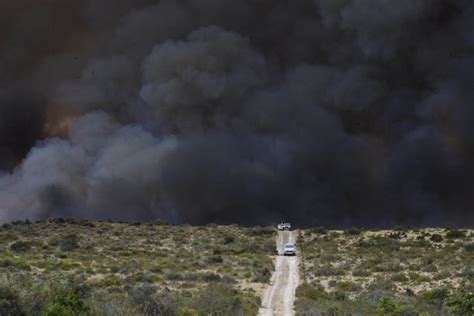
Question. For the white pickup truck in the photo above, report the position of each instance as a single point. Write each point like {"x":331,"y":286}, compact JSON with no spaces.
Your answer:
{"x":289,"y":250}
{"x":284,"y":226}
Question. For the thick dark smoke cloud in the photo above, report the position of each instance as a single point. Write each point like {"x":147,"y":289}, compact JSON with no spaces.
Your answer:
{"x":340,"y":112}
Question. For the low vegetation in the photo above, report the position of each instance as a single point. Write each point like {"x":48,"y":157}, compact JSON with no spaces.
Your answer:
{"x":76,"y":267}
{"x":401,"y":272}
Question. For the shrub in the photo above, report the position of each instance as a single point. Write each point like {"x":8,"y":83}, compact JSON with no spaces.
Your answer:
{"x":469,"y":246}
{"x":397,"y":235}
{"x":430,"y":268}
{"x":328,"y":270}
{"x":228,"y":279}
{"x":436,"y":295}
{"x":442,"y":275}
{"x":414,"y":267}
{"x":311,"y":292}
{"x":211,"y":277}
{"x":436,"y":238}
{"x":67,"y":243}
{"x":215,"y":259}
{"x":348,"y":286}
{"x":382,"y":243}
{"x":461,"y":303}
{"x":353,"y":231}
{"x":415,"y":276}
{"x":20,"y":264}
{"x":58,"y":220}
{"x":5,"y":263}
{"x":381,"y":284}
{"x":163,"y":305}
{"x":340,"y":296}
{"x":399,"y":277}
{"x":454,"y":234}
{"x":9,"y":302}
{"x":361,"y":272}
{"x":141,"y":295}
{"x":66,"y":305}
{"x":260,"y":231}
{"x":424,"y":278}
{"x":8,"y":236}
{"x":228,"y":239}
{"x":20,"y":246}
{"x":217,"y":299}
{"x":174,"y":276}
{"x":387,"y":305}
{"x":187,"y":311}
{"x":388,"y":267}
{"x":262,"y":275}
{"x":103,"y":302}
{"x":129,"y":267}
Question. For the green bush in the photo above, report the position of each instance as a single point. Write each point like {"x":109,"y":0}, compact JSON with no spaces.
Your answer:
{"x":387,"y":305}
{"x":66,"y":305}
{"x":435,"y":295}
{"x":461,"y":303}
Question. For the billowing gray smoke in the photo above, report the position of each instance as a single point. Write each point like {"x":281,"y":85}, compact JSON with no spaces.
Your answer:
{"x":340,"y":112}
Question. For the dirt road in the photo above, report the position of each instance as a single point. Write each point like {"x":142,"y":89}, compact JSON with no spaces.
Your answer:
{"x":279,"y":296}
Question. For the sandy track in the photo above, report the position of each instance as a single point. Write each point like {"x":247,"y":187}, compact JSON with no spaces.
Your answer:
{"x":279,"y":296}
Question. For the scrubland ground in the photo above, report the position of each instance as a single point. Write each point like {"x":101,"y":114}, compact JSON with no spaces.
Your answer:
{"x":73,"y":267}
{"x":392,"y":272}
{"x":77,"y":267}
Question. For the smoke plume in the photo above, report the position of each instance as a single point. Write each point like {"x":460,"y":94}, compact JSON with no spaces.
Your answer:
{"x":347,"y":112}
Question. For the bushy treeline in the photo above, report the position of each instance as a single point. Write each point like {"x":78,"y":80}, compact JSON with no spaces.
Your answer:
{"x":22,"y":296}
